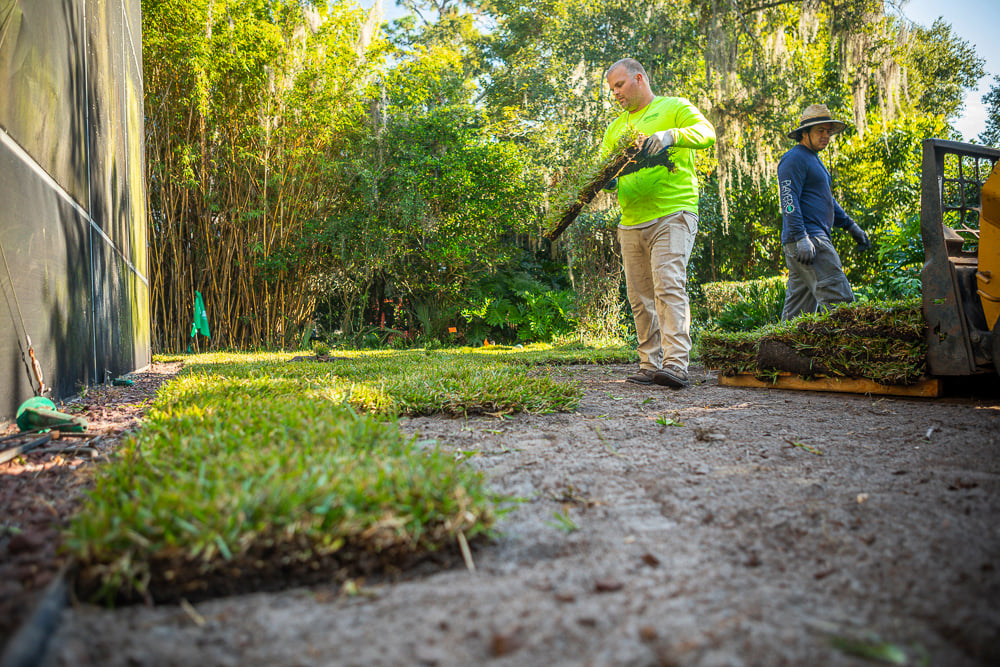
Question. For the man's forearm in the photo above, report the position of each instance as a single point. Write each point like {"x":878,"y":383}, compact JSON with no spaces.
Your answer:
{"x":693,"y":129}
{"x":840,"y":217}
{"x":791,"y":212}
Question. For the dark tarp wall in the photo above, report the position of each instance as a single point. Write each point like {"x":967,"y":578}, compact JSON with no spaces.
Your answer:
{"x":74,"y":272}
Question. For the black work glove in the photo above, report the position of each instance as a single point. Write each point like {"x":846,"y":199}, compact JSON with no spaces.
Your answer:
{"x":859,"y":236}
{"x":805,"y":251}
{"x":644,"y":158}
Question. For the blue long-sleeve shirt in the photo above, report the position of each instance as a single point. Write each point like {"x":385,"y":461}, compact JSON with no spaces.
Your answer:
{"x":807,"y":203}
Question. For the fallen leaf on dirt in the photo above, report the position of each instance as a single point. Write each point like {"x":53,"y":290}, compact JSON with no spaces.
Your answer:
{"x":505,"y":643}
{"x":650,"y":560}
{"x":608,"y":585}
{"x":703,"y":434}
{"x":326,"y":596}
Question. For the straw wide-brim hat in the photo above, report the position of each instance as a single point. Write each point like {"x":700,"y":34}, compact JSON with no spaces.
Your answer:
{"x":817,"y":114}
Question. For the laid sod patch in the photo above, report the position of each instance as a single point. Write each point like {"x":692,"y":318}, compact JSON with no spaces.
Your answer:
{"x":882,"y":342}
{"x":540,"y":354}
{"x":254,"y":473}
{"x":388,"y":383}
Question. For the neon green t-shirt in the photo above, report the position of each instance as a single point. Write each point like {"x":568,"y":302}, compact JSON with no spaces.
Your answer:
{"x":656,"y":191}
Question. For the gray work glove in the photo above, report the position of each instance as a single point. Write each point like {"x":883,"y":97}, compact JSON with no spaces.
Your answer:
{"x":859,"y":236}
{"x":805,"y":251}
{"x":658,"y":142}
{"x":611,"y":185}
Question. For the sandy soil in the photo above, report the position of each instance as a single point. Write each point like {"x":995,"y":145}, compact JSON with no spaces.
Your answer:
{"x":711,"y":526}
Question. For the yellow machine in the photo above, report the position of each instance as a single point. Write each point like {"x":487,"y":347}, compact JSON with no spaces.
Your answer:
{"x":960,"y":280}
{"x":988,"y":273}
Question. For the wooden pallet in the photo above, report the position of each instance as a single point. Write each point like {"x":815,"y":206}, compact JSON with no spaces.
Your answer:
{"x":928,"y":388}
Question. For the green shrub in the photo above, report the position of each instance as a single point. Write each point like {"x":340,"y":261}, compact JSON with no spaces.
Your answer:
{"x":901,"y":255}
{"x":594,"y":262}
{"x":741,"y":306}
{"x":526,"y":315}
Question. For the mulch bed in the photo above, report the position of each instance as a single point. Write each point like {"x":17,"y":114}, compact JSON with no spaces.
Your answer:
{"x":42,"y":489}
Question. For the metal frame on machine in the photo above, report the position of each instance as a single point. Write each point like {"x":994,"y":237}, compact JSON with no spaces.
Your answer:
{"x":957,"y":335}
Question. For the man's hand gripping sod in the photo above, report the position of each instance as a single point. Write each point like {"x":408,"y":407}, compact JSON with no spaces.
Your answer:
{"x":658,"y":142}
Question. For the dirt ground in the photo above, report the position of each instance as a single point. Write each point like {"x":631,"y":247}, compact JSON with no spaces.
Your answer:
{"x":711,"y":526}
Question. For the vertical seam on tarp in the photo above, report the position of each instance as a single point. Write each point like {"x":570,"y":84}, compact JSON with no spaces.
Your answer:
{"x":124,"y":84}
{"x":90,"y":194}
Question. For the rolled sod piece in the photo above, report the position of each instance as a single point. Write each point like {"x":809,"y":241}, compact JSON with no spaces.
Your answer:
{"x":612,"y":166}
{"x":774,"y":355}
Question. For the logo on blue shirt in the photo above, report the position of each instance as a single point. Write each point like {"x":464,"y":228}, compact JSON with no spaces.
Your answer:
{"x":787,"y":199}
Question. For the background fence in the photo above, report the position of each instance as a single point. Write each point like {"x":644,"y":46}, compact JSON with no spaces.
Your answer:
{"x":73,"y":271}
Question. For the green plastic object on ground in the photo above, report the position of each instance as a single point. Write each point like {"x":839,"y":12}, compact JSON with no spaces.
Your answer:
{"x":40,"y":413}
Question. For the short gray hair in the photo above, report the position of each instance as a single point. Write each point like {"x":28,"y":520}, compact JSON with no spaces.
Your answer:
{"x":632,"y":66}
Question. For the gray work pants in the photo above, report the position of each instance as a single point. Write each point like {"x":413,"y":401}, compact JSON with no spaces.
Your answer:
{"x":815,"y":286}
{"x":655,"y":258}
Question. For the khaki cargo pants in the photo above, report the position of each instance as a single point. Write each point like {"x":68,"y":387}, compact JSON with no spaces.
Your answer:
{"x":655,"y":258}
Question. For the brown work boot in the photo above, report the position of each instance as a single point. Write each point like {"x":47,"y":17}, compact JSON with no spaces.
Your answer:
{"x":671,"y":376}
{"x":643,"y":376}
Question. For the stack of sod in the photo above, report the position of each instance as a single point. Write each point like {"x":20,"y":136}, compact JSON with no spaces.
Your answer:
{"x":251,"y":473}
{"x":581,"y":186}
{"x":882,"y":342}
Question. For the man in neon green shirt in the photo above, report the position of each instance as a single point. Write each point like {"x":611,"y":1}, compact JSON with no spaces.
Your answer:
{"x":659,"y":220}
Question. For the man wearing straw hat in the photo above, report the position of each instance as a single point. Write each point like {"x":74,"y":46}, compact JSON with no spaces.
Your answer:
{"x":809,"y":212}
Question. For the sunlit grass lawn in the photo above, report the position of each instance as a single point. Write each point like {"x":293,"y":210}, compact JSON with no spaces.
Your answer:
{"x":252,"y":469}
